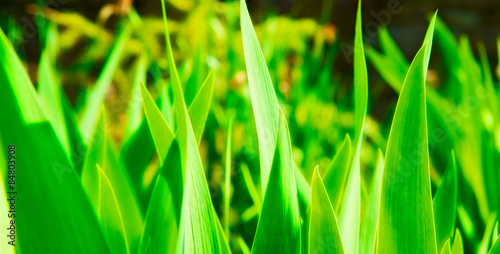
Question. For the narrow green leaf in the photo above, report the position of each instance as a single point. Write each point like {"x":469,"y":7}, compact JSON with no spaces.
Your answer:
{"x":336,"y":176}
{"x":50,"y":91}
{"x":279,"y":227}
{"x":227,"y":178}
{"x":134,"y":111}
{"x":199,"y":227}
{"x":458,"y":246}
{"x":445,"y":204}
{"x":406,"y":221}
{"x":485,"y":243}
{"x":264,"y":101}
{"x":95,"y":98}
{"x":161,"y":132}
{"x":495,"y":249}
{"x":100,"y":152}
{"x":110,"y":215}
{"x":13,"y":72}
{"x":393,"y":52}
{"x":198,"y":110}
{"x":446,"y":247}
{"x":160,"y":226}
{"x":370,"y":222}
{"x":324,"y":235}
{"x":350,"y":210}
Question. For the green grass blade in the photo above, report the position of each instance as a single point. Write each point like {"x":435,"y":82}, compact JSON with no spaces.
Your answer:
{"x":336,"y":176}
{"x":264,"y":100}
{"x":393,"y":52}
{"x":227,"y":178}
{"x":96,"y":97}
{"x":110,"y":215}
{"x":349,"y":222}
{"x":100,"y":152}
{"x":279,"y":227}
{"x":495,"y":249}
{"x":13,"y":72}
{"x":458,"y":245}
{"x":324,"y":235}
{"x":428,"y":40}
{"x":406,"y":222}
{"x":161,"y":225}
{"x":134,"y":111}
{"x":446,"y":248}
{"x":486,"y":240}
{"x":445,"y":204}
{"x":370,"y":222}
{"x":198,"y":110}
{"x":49,"y":91}
{"x":161,"y":132}
{"x":199,"y":230}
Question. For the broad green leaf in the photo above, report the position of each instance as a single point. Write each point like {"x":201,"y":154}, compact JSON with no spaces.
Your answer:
{"x":350,"y":210}
{"x":446,"y":247}
{"x":279,"y":227}
{"x":264,"y":101}
{"x":96,"y":97}
{"x":458,"y":246}
{"x":54,"y":213}
{"x":324,"y":235}
{"x":406,"y":220}
{"x":336,"y":176}
{"x":370,"y":222}
{"x":445,"y":204}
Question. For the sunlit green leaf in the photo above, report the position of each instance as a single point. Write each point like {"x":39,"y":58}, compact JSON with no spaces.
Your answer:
{"x":445,"y":204}
{"x":370,"y":222}
{"x":406,"y":222}
{"x":279,"y":227}
{"x":324,"y":235}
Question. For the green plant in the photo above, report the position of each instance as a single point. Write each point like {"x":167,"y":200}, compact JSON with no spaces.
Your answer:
{"x":435,"y":189}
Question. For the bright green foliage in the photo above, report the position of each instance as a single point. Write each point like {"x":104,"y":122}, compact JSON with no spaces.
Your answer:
{"x":157,"y":153}
{"x":350,"y":213}
{"x":279,"y":227}
{"x":445,"y":204}
{"x":264,"y":101}
{"x":406,"y":222}
{"x":71,"y":223}
{"x":324,"y":235}
{"x":336,"y":175}
{"x":370,"y":222}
